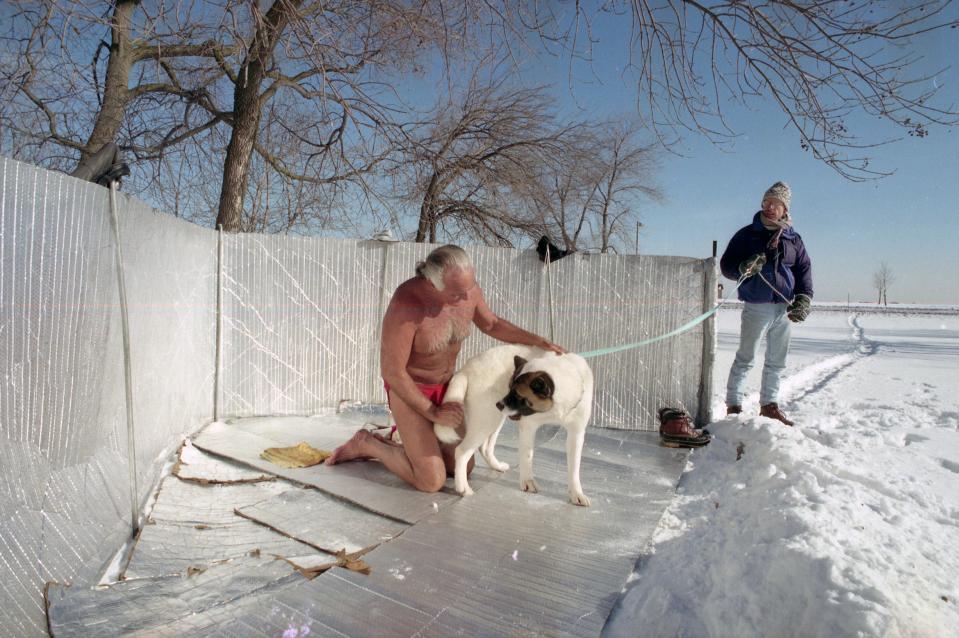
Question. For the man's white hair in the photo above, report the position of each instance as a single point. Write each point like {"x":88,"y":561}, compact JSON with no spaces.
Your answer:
{"x":441,"y":260}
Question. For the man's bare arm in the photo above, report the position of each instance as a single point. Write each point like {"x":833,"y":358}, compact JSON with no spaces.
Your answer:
{"x":495,"y":326}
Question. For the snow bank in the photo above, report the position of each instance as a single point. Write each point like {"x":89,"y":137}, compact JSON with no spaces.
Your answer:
{"x":844,"y":525}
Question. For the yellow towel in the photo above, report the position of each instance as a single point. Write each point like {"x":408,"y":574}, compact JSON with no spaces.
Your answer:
{"x":300,"y":455}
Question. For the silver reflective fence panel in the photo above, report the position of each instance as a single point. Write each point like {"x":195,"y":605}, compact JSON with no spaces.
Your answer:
{"x":301,"y":321}
{"x":300,"y":330}
{"x":65,"y":490}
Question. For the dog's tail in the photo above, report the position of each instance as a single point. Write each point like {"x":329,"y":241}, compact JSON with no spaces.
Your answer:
{"x":455,"y":393}
{"x":446,"y":434}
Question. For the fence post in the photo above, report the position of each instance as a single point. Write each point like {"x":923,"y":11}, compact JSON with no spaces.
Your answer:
{"x":549,"y":295}
{"x":384,"y":237}
{"x":218,"y":345}
{"x":380,"y":311}
{"x":127,"y":364}
{"x":705,"y":412}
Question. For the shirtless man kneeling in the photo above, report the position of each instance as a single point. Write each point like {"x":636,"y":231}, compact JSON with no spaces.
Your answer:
{"x":424,"y":328}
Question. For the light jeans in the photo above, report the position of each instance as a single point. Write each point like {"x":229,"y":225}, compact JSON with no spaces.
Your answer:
{"x":758,"y":319}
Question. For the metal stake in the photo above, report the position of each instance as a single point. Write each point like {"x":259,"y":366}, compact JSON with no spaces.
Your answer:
{"x":219,"y":323}
{"x":549,"y":294}
{"x":127,"y":363}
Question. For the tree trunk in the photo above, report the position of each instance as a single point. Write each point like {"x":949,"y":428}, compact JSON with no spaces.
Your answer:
{"x":423,"y":227}
{"x":236,"y":166}
{"x":604,"y":232}
{"x":116,"y":91}
{"x":247,"y":110}
{"x":427,"y":223}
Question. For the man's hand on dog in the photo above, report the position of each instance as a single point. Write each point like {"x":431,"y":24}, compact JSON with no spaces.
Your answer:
{"x":552,"y":347}
{"x":449,"y":414}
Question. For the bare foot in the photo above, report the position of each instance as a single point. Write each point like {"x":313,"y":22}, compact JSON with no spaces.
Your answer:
{"x":353,"y":450}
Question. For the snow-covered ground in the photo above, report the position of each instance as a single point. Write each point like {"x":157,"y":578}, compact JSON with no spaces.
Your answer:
{"x":845,"y":525}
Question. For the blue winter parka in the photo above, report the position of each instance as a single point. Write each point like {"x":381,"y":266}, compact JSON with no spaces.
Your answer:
{"x":787,"y":267}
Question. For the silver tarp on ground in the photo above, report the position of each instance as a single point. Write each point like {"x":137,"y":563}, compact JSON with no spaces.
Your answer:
{"x":306,"y":516}
{"x":499,"y":563}
{"x":198,"y":467}
{"x":195,"y":525}
{"x":378,"y":489}
{"x":300,"y":331}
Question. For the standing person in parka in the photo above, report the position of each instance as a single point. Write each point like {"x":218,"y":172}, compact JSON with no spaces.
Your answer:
{"x":777,"y":290}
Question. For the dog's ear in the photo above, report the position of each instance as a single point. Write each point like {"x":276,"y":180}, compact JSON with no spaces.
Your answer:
{"x":518,"y":362}
{"x":543,"y":386}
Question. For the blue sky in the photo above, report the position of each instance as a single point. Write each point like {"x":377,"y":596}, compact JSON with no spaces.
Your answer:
{"x":909,"y":220}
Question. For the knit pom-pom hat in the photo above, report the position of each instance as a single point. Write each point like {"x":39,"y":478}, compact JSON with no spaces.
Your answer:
{"x":780,"y":191}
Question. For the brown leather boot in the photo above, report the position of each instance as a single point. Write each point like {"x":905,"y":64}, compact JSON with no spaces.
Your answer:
{"x":772,"y":411}
{"x":677,"y":429}
{"x":733,"y":409}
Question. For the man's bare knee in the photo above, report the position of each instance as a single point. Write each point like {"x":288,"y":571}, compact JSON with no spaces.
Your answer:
{"x":429,"y":481}
{"x":429,"y":475}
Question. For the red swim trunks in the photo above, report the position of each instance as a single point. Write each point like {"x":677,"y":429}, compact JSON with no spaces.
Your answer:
{"x":432,"y":391}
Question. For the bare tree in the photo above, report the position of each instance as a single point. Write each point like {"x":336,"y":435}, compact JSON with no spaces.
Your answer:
{"x":821,"y":62}
{"x":882,"y":279}
{"x":590,"y":195}
{"x":70,"y":93}
{"x":290,"y":87}
{"x":305,"y":65}
{"x":622,"y":176}
{"x":561,"y":194}
{"x":297,"y":98}
{"x":475,"y":158}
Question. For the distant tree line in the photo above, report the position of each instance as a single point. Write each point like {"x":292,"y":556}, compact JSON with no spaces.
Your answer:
{"x":286,"y":115}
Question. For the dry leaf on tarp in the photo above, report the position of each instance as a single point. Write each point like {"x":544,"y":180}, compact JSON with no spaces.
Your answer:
{"x":352,"y":562}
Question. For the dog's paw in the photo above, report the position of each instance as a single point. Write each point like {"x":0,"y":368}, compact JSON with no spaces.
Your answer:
{"x":499,"y":466}
{"x":579,"y":499}
{"x":467,"y":491}
{"x":529,"y":485}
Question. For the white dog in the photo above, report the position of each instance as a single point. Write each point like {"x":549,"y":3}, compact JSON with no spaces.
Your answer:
{"x":532,"y":387}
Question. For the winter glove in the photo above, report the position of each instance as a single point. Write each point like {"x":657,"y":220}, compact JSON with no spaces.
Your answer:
{"x":799,"y":309}
{"x":753,"y":265}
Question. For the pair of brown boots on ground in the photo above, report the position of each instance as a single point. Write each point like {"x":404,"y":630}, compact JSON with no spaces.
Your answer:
{"x":770,"y":410}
